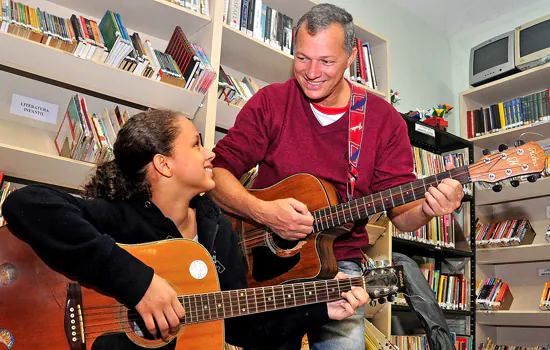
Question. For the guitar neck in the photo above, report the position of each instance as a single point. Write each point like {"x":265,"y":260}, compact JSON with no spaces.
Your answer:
{"x":362,"y":208}
{"x":206,"y":307}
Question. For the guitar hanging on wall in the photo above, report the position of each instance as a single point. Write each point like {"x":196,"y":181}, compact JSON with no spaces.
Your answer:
{"x":273,"y":260}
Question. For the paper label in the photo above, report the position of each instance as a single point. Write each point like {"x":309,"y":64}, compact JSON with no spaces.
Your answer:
{"x":544,"y":272}
{"x":34,"y":109}
{"x":424,"y":129}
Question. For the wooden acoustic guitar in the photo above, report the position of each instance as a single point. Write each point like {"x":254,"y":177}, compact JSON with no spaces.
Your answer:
{"x":273,"y":260}
{"x":43,"y":309}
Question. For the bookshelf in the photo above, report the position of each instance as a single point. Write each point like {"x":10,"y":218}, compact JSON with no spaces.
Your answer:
{"x":524,"y":324}
{"x":27,"y":149}
{"x":441,"y":142}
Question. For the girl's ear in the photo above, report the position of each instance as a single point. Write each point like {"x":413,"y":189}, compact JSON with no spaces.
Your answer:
{"x":162,"y":165}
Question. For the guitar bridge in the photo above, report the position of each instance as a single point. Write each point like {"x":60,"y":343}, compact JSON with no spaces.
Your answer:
{"x":74,"y":319}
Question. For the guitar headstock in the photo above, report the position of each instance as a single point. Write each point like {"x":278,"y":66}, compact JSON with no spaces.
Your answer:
{"x":526,"y":159}
{"x":384,"y":282}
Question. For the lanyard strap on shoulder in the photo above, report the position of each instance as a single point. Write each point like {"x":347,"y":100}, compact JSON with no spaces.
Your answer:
{"x":357,"y":114}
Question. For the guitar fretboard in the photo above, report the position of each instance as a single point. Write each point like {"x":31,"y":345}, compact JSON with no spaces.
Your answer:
{"x":361,"y":208}
{"x":219,"y":305}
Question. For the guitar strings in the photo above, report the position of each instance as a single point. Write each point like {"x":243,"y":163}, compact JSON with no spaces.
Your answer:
{"x":258,"y":235}
{"x":302,"y":292}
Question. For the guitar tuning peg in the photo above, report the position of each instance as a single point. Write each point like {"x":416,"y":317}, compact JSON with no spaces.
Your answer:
{"x":372,"y":302}
{"x":502,"y":147}
{"x":391,"y":298}
{"x":514,"y":183}
{"x":518,"y":143}
{"x":486,"y":151}
{"x":497,"y":188}
{"x":533,"y":178}
{"x":381,"y":300}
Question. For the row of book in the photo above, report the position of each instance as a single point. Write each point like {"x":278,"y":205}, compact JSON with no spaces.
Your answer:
{"x":6,"y":188}
{"x":261,"y":22}
{"x":545,"y":298}
{"x":88,"y":136}
{"x":526,"y":110}
{"x":236,"y":92}
{"x":493,"y":294}
{"x":427,"y":163}
{"x":504,"y":234}
{"x":440,"y":231}
{"x":199,"y":6}
{"x":450,"y":289}
{"x":420,"y":342}
{"x":491,"y":345}
{"x":183,"y":63}
{"x":362,"y":69}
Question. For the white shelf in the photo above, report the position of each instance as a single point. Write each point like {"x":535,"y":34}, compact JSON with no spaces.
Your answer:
{"x":158,"y":18}
{"x":511,"y":255}
{"x":517,"y":85}
{"x":42,"y":167}
{"x":514,"y":318}
{"x":526,"y":190}
{"x":268,"y":63}
{"x":226,"y":114}
{"x":491,"y":141}
{"x":376,"y":92}
{"x":55,"y":64}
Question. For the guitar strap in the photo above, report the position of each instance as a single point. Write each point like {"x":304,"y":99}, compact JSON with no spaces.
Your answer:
{"x":357,"y":115}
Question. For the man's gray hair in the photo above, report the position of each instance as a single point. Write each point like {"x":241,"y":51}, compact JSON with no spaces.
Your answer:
{"x":321,"y":16}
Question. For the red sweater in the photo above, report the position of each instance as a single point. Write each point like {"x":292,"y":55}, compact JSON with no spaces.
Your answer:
{"x":278,"y":130}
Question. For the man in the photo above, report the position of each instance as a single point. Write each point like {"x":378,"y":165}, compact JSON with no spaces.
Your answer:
{"x":302,"y":125}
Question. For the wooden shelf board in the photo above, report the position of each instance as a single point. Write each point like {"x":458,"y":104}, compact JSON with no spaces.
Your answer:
{"x":518,"y":318}
{"x":510,"y":255}
{"x":267,"y":63}
{"x":42,"y":167}
{"x":51,"y":63}
{"x":491,"y":141}
{"x":525,"y":190}
{"x":226,"y":114}
{"x":517,"y":85}
{"x":376,"y":92}
{"x":158,"y":18}
{"x":296,"y":8}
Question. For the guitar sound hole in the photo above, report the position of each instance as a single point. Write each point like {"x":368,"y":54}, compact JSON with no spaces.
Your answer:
{"x":268,"y":265}
{"x":283,"y":243}
{"x":138,"y":326}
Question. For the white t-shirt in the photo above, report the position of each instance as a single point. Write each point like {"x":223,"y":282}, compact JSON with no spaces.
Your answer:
{"x":325,"y":115}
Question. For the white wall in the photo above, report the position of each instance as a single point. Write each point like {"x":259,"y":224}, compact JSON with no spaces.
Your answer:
{"x":419,"y":54}
{"x":464,"y":41}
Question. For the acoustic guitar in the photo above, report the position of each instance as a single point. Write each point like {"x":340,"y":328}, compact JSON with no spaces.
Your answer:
{"x":43,"y":309}
{"x":273,"y":260}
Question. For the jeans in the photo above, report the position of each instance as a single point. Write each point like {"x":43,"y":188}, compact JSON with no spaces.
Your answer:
{"x":348,"y":334}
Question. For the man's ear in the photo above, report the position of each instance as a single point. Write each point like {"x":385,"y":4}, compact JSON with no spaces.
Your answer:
{"x":351,"y":57}
{"x":162,"y":165}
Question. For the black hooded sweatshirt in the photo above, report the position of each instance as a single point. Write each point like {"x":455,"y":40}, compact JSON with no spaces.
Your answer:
{"x":78,"y":237}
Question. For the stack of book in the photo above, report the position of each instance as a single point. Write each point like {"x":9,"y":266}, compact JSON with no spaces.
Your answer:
{"x":362,"y":68}
{"x":88,"y":136}
{"x":440,"y":231}
{"x":504,"y":234}
{"x":236,"y":92}
{"x":199,"y":6}
{"x":490,"y":345}
{"x":545,"y":298}
{"x":493,"y":294}
{"x":526,"y":110}
{"x":183,"y":64}
{"x":262,"y":22}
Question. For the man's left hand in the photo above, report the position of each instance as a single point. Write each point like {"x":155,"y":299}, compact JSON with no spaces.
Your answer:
{"x":443,"y":199}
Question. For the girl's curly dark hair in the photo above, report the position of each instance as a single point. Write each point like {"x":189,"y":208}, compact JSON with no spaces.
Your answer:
{"x":140,"y":138}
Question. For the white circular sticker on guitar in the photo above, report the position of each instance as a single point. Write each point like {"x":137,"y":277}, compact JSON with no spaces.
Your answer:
{"x":198,"y":269}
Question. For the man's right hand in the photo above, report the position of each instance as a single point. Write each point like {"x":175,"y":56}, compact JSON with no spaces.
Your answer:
{"x":160,"y":303}
{"x":288,"y":217}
